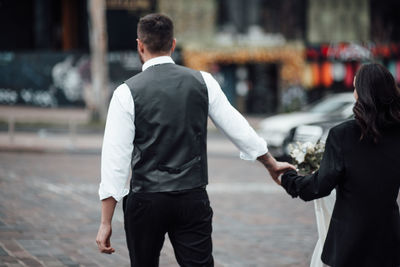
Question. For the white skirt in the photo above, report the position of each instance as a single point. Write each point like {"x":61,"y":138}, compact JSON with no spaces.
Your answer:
{"x":323,"y":213}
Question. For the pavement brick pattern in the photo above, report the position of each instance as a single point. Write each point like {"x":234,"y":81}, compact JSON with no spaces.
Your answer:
{"x":49,"y":214}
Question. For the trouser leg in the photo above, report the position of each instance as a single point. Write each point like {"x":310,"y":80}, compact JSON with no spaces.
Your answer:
{"x":190,"y":233}
{"x":145,"y":229}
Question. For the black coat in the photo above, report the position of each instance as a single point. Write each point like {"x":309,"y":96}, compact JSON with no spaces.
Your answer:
{"x":365,"y":226}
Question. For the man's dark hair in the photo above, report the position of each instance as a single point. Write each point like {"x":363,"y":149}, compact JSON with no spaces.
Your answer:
{"x":156,"y":31}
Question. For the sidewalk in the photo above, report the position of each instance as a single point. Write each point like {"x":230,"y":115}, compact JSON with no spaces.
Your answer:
{"x":42,"y":140}
{"x":47,"y":142}
{"x":50,"y":214}
{"x":48,"y":115}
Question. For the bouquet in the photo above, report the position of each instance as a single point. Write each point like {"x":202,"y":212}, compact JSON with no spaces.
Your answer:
{"x":306,"y":156}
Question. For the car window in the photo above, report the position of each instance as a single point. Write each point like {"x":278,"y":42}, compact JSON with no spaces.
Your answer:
{"x":329,"y":105}
{"x":347,"y":112}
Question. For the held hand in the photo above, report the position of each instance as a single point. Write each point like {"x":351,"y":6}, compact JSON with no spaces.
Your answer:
{"x":275,"y":168}
{"x":103,"y":239}
{"x":280,"y":168}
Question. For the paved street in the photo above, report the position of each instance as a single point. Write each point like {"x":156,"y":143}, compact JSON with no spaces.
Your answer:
{"x":49,"y":213}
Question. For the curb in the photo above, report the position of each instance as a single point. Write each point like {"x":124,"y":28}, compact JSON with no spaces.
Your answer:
{"x":46,"y":150}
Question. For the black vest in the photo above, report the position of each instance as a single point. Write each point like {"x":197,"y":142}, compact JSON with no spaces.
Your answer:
{"x":171,"y":111}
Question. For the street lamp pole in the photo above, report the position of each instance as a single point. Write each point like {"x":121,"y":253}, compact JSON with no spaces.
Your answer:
{"x":98,"y":52}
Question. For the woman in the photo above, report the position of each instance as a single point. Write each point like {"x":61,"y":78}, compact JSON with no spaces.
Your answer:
{"x":362,"y":161}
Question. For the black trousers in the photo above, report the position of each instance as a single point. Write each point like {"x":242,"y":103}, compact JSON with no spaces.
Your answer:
{"x":185,"y":216}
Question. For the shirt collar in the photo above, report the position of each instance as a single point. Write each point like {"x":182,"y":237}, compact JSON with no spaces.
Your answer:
{"x":157,"y":61}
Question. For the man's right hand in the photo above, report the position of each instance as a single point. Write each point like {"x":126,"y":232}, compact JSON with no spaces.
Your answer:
{"x":103,"y":239}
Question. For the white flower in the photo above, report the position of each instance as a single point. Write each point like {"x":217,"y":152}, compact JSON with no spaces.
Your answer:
{"x":300,"y":157}
{"x":307,"y":154}
{"x":297,"y":152}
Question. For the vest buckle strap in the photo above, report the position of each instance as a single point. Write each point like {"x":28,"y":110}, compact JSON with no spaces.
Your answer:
{"x":175,"y":170}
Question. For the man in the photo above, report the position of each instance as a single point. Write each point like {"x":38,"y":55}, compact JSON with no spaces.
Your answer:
{"x":157,"y":125}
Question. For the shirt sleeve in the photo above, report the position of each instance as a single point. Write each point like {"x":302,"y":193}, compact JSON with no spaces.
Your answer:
{"x":324,"y":180}
{"x":228,"y":120}
{"x":117,"y":145}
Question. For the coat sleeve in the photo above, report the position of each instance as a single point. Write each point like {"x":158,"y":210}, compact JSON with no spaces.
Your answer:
{"x":324,"y":180}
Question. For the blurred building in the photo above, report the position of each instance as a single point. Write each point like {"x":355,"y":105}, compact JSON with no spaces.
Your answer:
{"x":268,"y":55}
{"x":342,"y":35}
{"x":44,"y":50}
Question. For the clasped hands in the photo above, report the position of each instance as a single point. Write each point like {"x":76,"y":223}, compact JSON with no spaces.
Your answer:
{"x":274,"y":167}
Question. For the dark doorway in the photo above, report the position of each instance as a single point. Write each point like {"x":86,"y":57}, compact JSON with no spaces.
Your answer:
{"x":263,"y":94}
{"x":251,"y":88}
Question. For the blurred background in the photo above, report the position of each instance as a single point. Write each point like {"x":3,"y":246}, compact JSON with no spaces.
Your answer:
{"x":287,"y":65}
{"x":269,"y":56}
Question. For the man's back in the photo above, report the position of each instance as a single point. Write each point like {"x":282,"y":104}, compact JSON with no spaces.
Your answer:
{"x":171,"y":109}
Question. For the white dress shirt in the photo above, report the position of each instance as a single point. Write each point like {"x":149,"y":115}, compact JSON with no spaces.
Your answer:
{"x":120,"y":132}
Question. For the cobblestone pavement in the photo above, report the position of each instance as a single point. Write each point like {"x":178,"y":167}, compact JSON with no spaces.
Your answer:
{"x":49,"y":213}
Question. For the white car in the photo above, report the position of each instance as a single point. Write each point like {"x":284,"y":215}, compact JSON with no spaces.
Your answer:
{"x":276,"y":128}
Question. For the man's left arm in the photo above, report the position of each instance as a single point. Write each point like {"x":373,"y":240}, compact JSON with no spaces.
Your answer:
{"x":115,"y":160}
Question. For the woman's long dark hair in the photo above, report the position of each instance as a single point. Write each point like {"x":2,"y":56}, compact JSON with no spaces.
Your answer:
{"x":378,"y":104}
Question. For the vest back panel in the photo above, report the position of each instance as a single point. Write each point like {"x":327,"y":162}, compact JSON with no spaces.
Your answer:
{"x":171,"y":110}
